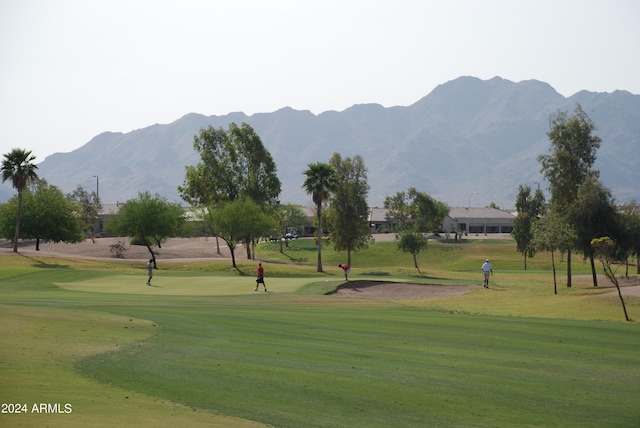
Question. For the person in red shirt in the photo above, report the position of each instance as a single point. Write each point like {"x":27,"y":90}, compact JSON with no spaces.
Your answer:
{"x":260,"y":278}
{"x":346,"y":269}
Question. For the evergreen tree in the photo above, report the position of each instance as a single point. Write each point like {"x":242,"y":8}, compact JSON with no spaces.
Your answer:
{"x":348,"y":216}
{"x":572,"y":154}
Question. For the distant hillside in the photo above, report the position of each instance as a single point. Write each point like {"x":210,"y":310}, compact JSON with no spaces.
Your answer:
{"x":468,"y":142}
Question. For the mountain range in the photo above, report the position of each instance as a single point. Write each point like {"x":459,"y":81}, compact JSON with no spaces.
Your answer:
{"x":468,"y":142}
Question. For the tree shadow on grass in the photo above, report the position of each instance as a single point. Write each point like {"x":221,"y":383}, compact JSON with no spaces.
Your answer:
{"x":376,"y":273}
{"x":295,"y":259}
{"x":44,"y":265}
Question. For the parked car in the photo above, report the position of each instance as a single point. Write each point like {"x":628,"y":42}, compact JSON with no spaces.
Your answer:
{"x":291,"y":235}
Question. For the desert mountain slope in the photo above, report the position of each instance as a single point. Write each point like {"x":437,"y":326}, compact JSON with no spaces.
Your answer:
{"x":469,"y":141}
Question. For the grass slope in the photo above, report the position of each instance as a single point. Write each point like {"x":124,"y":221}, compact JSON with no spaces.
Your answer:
{"x":380,"y":365}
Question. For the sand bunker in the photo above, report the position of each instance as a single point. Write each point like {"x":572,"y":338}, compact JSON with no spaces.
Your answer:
{"x":398,"y":290}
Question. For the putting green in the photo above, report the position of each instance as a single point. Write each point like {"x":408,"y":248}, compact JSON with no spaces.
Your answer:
{"x":191,"y":285}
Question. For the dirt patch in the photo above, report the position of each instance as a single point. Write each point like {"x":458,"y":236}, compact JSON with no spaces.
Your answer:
{"x":175,"y":249}
{"x":398,"y":290}
{"x":629,"y":285}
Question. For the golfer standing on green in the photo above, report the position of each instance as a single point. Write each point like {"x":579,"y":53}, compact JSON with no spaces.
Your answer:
{"x":260,"y":278}
{"x":486,"y":270}
{"x":150,"y":270}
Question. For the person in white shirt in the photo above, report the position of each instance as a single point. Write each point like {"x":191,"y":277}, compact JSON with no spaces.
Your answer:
{"x":487,"y":270}
{"x":150,"y":271}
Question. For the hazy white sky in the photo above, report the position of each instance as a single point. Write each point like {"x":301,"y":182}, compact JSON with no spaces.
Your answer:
{"x":71,"y":69}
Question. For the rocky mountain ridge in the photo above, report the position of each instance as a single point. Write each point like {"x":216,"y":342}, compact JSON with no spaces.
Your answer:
{"x":468,"y":142}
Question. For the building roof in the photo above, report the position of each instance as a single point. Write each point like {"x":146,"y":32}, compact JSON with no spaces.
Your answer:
{"x":377,"y":215}
{"x":475,"y":213}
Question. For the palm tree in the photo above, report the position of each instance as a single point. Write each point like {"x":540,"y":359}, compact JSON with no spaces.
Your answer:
{"x":18,"y":166}
{"x":321,"y":180}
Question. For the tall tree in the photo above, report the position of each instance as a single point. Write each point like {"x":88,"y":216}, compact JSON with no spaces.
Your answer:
{"x":593,"y":214}
{"x":256,"y":166}
{"x":90,"y":207}
{"x":18,"y":167}
{"x":529,"y":208}
{"x":321,"y":180}
{"x":233,"y":164}
{"x":148,"y":220}
{"x":573,"y":152}
{"x":348,"y":215}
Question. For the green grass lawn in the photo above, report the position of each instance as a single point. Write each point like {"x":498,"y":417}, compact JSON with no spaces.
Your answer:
{"x":201,"y":348}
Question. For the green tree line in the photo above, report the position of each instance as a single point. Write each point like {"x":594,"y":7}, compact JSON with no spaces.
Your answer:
{"x":581,"y":215}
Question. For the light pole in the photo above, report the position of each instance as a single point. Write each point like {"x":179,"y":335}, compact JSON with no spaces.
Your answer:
{"x":96,"y":202}
{"x":97,"y":186}
{"x":472,"y":193}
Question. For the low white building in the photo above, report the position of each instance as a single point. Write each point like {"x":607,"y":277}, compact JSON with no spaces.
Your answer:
{"x":461,"y":220}
{"x":478,"y":221}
